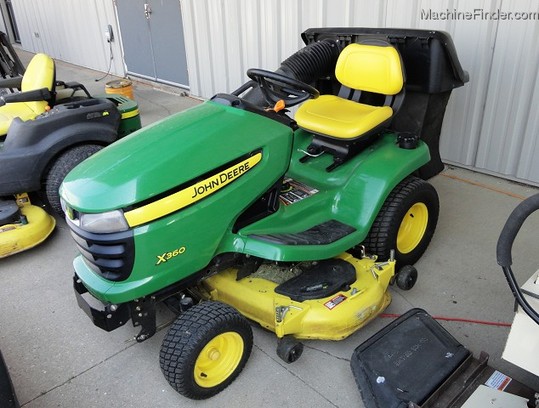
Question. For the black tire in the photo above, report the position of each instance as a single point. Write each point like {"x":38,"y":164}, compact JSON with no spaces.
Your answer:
{"x":412,"y":202}
{"x":204,"y":332}
{"x":58,"y":171}
{"x":289,"y":349}
{"x":406,"y":277}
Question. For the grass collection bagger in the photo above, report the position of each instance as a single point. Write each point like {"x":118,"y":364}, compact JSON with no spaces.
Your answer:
{"x":233,"y":211}
{"x":46,"y":129}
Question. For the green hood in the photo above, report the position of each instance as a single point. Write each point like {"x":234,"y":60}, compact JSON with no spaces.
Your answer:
{"x":163,"y":156}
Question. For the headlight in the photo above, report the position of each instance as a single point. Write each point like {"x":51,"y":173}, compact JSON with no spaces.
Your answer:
{"x":111,"y":221}
{"x":63,"y":204}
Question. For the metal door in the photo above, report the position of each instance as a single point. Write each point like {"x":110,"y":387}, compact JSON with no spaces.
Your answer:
{"x":153,"y":42}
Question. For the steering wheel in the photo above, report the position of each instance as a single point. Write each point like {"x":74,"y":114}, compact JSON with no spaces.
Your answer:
{"x":276,"y":87}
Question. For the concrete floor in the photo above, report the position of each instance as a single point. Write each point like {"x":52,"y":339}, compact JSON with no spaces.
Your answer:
{"x":57,"y":358}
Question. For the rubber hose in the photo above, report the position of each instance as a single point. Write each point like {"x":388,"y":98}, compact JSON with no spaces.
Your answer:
{"x":512,"y":227}
{"x":312,"y":62}
{"x":307,"y":65}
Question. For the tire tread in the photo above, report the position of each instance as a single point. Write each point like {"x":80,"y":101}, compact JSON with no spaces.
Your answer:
{"x":379,"y":240}
{"x":61,"y":166}
{"x":189,"y":334}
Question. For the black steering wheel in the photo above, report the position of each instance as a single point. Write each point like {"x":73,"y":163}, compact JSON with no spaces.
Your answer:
{"x":276,"y":87}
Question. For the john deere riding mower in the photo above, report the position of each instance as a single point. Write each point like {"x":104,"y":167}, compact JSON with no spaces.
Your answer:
{"x":46,"y":130}
{"x":241,"y":212}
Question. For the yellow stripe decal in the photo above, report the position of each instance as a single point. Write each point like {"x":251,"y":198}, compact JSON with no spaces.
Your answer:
{"x":130,"y":114}
{"x":191,"y":194}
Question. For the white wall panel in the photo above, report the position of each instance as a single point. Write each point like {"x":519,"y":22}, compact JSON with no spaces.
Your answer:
{"x":70,"y":30}
{"x":528,"y":163}
{"x":2,"y":20}
{"x":225,"y":38}
{"x":509,"y":124}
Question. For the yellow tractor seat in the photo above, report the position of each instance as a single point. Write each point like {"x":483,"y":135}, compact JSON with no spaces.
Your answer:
{"x":370,"y":68}
{"x":341,"y":118}
{"x":342,"y":123}
{"x":39,"y":74}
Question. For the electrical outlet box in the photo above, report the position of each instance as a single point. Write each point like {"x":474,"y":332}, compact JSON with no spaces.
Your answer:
{"x":109,"y":35}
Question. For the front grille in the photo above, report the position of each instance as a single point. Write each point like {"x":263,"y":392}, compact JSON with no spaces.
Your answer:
{"x":111,"y":255}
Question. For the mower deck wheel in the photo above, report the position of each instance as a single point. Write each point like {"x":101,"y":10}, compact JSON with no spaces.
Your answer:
{"x":205,"y":349}
{"x":406,"y":277}
{"x":289,"y":349}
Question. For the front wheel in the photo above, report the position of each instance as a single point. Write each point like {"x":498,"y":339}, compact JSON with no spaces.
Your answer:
{"x":205,"y":349}
{"x":406,"y":222}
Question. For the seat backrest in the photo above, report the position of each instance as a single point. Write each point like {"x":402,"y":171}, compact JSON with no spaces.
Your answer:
{"x":39,"y":74}
{"x":370,"y":68}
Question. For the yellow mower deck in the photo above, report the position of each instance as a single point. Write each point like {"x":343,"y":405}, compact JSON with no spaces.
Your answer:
{"x":331,"y":318}
{"x":19,"y":237}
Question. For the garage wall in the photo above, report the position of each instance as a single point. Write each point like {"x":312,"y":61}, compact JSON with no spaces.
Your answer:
{"x":71,"y":30}
{"x":490,"y":124}
{"x":2,"y":22}
{"x":508,"y":135}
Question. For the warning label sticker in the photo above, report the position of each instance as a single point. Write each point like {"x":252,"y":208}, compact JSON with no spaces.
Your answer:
{"x":337,"y":300}
{"x":498,"y":381}
{"x":293,"y":191}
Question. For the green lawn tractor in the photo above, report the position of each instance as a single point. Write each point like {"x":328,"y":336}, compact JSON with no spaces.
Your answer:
{"x":233,"y":211}
{"x":46,"y":129}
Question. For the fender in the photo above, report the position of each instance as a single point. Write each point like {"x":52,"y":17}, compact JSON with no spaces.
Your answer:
{"x":31,"y":146}
{"x":357,"y":191}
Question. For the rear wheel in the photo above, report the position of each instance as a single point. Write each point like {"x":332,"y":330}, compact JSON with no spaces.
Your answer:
{"x":406,"y":222}
{"x":63,"y":165}
{"x":205,"y":349}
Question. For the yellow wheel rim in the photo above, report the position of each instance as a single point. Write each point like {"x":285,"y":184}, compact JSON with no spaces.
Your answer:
{"x":218,"y":359}
{"x":412,"y":228}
